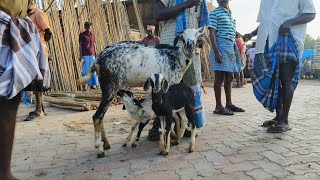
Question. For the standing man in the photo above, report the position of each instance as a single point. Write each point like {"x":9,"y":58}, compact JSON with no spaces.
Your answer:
{"x":22,"y":60}
{"x":40,"y":19}
{"x":279,"y":18}
{"x":178,"y":15}
{"x":225,"y":58}
{"x":151,"y":38}
{"x":250,"y":56}
{"x":87,"y":52}
{"x":242,"y":50}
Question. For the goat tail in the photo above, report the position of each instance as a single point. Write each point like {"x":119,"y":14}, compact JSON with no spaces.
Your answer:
{"x":94,"y":68}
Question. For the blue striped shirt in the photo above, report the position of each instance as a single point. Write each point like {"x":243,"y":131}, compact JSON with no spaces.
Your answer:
{"x":222,"y":20}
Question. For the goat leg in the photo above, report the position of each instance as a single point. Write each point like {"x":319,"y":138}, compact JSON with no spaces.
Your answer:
{"x":168,"y":138}
{"x":141,"y":126}
{"x":104,"y":139}
{"x":130,"y":134}
{"x":162,"y":134}
{"x":193,"y":138}
{"x":97,"y":139}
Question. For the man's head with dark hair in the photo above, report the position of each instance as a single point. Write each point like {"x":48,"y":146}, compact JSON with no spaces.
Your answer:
{"x":87,"y":26}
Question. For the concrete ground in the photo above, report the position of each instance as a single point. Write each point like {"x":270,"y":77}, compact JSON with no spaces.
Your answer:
{"x":60,"y":145}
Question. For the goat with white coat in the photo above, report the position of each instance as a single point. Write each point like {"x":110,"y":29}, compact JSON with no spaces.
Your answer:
{"x":130,"y":64}
{"x":169,"y":103}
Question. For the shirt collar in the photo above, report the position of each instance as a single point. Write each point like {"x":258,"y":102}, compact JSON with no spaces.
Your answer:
{"x":225,"y":9}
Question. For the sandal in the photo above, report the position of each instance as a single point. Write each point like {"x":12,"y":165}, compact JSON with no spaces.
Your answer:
{"x":32,"y":116}
{"x":268,"y":123}
{"x":278,"y":128}
{"x":223,"y":111}
{"x":154,"y":134}
{"x":234,"y":108}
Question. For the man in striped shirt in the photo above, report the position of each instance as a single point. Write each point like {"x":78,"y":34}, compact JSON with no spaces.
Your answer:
{"x":225,"y":58}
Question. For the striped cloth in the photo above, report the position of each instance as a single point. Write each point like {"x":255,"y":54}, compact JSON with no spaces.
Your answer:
{"x":222,"y":20}
{"x":22,"y":56}
{"x":231,"y":59}
{"x":265,"y":79}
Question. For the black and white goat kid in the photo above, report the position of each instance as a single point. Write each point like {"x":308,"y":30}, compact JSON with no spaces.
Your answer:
{"x":172,"y":103}
{"x":139,"y":110}
{"x":130,"y":64}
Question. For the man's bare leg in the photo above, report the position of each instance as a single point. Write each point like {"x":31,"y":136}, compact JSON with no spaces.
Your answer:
{"x":39,"y":107}
{"x":8,"y":116}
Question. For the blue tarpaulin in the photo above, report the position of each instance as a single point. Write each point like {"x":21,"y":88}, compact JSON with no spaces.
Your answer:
{"x":308,"y":53}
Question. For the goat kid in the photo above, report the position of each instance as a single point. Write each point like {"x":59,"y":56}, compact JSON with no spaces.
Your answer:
{"x":139,"y":110}
{"x":130,"y":64}
{"x":172,"y":102}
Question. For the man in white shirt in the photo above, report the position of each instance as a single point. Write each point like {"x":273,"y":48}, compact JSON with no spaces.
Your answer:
{"x":250,"y":55}
{"x":281,"y":17}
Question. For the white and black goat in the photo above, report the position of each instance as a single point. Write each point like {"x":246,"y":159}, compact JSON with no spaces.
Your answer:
{"x":169,"y":103}
{"x":130,"y":64}
{"x":139,"y":110}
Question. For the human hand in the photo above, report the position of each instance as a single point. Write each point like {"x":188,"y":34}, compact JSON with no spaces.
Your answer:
{"x":204,"y":91}
{"x":247,"y":37}
{"x":285,"y":28}
{"x":81,"y":59}
{"x":218,"y":57}
{"x":191,"y":3}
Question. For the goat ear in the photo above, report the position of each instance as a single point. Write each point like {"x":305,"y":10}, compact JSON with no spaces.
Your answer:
{"x":124,"y":107}
{"x":202,"y":39}
{"x":176,"y":40}
{"x":146,"y":85}
{"x":165,"y":86}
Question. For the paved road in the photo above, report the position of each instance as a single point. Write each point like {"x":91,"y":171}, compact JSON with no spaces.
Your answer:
{"x":60,"y":146}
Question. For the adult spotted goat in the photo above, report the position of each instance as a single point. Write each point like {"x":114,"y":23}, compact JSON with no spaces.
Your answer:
{"x":130,"y":64}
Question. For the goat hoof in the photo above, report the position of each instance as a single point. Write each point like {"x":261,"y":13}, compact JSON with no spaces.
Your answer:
{"x":106,"y":146}
{"x":101,"y":155}
{"x":190,"y":150}
{"x":165,"y":153}
{"x":161,"y":153}
{"x":124,"y":145}
{"x":134,"y":145}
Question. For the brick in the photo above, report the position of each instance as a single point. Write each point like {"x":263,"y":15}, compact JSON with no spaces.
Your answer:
{"x":189,"y":173}
{"x":236,"y":175}
{"x":240,"y":157}
{"x":260,"y":174}
{"x":204,"y":168}
{"x":301,"y":169}
{"x":243,"y":166}
{"x":277,"y":158}
{"x":170,"y":165}
{"x":272,"y":168}
{"x":215,"y":157}
{"x":170,"y":175}
{"x":309,"y":176}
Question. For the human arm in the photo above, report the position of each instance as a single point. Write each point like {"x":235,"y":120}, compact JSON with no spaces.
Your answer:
{"x":162,"y":13}
{"x":215,"y":48}
{"x":301,"y":19}
{"x":248,"y":36}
